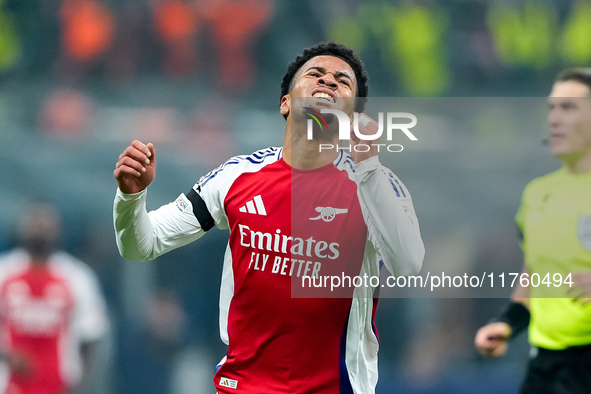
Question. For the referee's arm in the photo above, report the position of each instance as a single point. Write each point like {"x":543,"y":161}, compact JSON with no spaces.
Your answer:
{"x":492,"y":339}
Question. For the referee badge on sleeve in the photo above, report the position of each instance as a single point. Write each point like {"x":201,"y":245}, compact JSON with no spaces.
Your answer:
{"x":584,"y":230}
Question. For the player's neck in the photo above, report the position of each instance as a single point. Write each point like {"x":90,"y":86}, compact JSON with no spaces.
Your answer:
{"x":301,"y":153}
{"x":577,"y":163}
{"x":38,"y":264}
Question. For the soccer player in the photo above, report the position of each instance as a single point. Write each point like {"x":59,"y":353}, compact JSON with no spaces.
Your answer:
{"x":292,"y":212}
{"x":555,"y":222}
{"x":51,"y":310}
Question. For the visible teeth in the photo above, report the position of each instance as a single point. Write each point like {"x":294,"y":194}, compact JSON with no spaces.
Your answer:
{"x":324,"y":96}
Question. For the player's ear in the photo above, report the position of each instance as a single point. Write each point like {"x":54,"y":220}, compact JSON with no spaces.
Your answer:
{"x":285,"y":105}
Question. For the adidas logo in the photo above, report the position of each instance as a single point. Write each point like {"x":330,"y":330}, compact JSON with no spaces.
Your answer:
{"x":254,"y":206}
{"x":231,"y":383}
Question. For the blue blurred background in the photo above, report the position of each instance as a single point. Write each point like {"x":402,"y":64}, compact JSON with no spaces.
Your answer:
{"x":80,"y":79}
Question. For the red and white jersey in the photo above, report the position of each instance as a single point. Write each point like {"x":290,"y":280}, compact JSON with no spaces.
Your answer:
{"x":285,"y":224}
{"x":45,"y":313}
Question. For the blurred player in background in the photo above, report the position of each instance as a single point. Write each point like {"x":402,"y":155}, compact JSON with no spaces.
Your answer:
{"x":555,"y":221}
{"x":51,"y":310}
{"x":269,"y":200}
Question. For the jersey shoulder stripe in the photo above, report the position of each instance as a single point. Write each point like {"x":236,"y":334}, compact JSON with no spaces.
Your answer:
{"x":258,"y":157}
{"x":340,"y":158}
{"x":213,"y":187}
{"x":345,"y":162}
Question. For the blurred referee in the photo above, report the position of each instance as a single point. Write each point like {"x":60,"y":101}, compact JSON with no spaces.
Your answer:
{"x":555,"y":222}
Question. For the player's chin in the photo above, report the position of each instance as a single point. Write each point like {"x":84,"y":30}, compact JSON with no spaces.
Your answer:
{"x":317,"y":103}
{"x":559,"y":150}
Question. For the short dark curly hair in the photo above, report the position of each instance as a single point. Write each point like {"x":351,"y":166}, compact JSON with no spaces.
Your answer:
{"x":330,"y":49}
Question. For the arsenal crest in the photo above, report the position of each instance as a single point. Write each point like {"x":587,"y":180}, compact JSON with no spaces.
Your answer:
{"x":584,"y":230}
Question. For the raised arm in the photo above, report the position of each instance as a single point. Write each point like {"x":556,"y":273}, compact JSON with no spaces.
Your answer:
{"x":140,"y":235}
{"x":390,"y":216}
{"x":492,"y":339}
{"x":388,"y":209}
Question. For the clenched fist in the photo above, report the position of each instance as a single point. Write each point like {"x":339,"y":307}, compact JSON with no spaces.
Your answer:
{"x":136,"y":167}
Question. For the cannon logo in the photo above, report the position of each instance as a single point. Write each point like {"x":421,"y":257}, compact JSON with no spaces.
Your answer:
{"x":344,"y":123}
{"x":328,"y":213}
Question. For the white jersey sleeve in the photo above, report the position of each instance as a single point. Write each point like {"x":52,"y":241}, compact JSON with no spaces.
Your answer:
{"x":12,"y":262}
{"x":89,"y":319}
{"x":393,"y":227}
{"x":143,"y":236}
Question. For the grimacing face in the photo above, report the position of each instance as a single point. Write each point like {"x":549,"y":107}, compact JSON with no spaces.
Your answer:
{"x":569,"y":119}
{"x":325,"y":78}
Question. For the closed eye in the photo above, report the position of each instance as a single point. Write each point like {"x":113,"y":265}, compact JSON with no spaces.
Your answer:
{"x":569,"y":105}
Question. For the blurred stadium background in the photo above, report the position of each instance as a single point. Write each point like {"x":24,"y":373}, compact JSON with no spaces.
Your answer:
{"x":80,"y":79}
